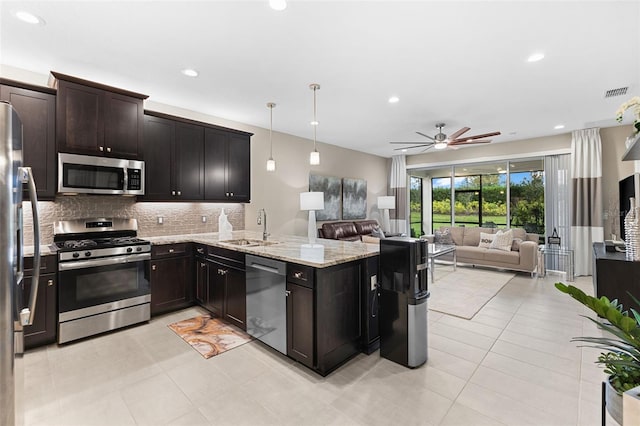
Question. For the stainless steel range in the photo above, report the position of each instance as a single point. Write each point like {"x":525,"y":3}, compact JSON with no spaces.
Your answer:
{"x":103,"y":274}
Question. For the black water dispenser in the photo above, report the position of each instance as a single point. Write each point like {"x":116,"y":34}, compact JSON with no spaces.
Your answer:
{"x":403,"y":300}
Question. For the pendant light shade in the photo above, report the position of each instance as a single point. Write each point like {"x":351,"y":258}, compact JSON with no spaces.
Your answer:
{"x":314,"y":157}
{"x":271,"y":163}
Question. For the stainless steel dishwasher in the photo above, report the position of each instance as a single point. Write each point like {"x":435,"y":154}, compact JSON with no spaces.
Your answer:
{"x":266,"y":301}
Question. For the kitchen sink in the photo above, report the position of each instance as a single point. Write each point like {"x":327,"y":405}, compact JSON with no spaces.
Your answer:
{"x":249,"y":243}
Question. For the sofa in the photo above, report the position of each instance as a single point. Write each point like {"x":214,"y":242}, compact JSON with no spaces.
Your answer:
{"x":348,"y":230}
{"x":522,"y":255}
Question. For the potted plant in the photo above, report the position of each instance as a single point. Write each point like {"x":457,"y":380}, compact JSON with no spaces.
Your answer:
{"x":622,"y":357}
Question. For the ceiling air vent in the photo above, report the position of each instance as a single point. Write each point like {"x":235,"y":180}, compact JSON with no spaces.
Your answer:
{"x":616,"y":92}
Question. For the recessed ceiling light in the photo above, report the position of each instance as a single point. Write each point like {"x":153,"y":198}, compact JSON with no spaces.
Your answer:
{"x":559,"y":126}
{"x":278,"y":4}
{"x":190,"y":72}
{"x":29,"y":18}
{"x":394,"y":100}
{"x":535,"y":57}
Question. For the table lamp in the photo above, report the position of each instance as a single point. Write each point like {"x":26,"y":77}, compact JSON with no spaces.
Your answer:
{"x":312,"y":201}
{"x":385,"y":203}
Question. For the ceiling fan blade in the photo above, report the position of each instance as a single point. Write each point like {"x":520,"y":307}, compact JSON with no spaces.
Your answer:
{"x":456,"y":134}
{"x":468,"y":142}
{"x":426,"y":136}
{"x":484,"y":135}
{"x":415,"y":146}
{"x":414,"y":142}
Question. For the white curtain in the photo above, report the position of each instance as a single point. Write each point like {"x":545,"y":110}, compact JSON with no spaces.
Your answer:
{"x":398,"y":188}
{"x":557,"y":203}
{"x":586,"y":223}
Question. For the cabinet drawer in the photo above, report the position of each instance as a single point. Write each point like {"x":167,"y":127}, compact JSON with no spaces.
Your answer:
{"x":171,"y":250}
{"x":48,"y":265}
{"x":233,"y":258}
{"x":300,"y":274}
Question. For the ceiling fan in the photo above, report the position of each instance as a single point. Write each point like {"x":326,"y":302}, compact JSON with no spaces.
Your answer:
{"x":441,"y":141}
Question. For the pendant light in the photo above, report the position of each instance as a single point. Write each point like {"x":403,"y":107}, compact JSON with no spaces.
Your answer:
{"x":314,"y":157}
{"x":271,"y":163}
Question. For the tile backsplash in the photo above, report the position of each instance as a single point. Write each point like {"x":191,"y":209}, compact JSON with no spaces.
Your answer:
{"x":178,"y":218}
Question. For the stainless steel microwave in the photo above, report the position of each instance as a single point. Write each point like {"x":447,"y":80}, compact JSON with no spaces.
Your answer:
{"x":85,"y":174}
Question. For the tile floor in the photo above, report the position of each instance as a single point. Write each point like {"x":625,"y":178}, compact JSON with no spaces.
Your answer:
{"x":512,"y":364}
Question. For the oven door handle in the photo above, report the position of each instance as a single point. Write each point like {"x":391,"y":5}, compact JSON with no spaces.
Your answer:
{"x":105,"y":261}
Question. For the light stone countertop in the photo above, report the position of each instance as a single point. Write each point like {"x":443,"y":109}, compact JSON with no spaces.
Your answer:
{"x":44,"y":250}
{"x":287,"y":248}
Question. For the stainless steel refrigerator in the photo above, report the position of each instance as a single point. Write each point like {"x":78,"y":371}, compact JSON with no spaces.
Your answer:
{"x":15,"y":312}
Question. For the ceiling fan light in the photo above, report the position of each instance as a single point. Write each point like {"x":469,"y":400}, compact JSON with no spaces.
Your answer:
{"x":440,"y":145}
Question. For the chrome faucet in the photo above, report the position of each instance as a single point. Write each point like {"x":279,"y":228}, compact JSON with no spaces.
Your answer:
{"x":262,"y":220}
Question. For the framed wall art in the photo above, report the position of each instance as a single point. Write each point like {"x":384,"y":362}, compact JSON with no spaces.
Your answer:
{"x":332,"y":188}
{"x":354,"y":198}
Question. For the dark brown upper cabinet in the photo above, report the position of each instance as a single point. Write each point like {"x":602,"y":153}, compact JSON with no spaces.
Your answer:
{"x":36,"y":107}
{"x":186,"y":160}
{"x":228,"y":172}
{"x":173,"y":160}
{"x":95,"y":119}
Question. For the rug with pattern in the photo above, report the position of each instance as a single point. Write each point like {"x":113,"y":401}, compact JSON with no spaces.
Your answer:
{"x":209,"y":336}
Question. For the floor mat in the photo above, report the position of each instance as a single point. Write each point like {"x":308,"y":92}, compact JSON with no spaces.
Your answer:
{"x":209,"y":336}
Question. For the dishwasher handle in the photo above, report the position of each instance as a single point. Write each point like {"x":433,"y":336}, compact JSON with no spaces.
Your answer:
{"x":267,"y":265}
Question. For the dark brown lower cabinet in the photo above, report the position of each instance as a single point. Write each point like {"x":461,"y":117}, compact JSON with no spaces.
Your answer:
{"x":171,"y":278}
{"x":324,"y":314}
{"x":44,"y":328}
{"x":220,"y":284}
{"x":300,"y":335}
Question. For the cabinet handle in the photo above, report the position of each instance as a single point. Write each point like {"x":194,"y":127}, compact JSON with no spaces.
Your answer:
{"x":101,"y":148}
{"x":297,"y":275}
{"x":202,"y":265}
{"x":171,"y":250}
{"x":200,"y":250}
{"x":231,"y":194}
{"x":50,"y":283}
{"x":287,"y":293}
{"x":173,"y":192}
{"x":179,"y":193}
{"x":153,"y":267}
{"x":108,"y":149}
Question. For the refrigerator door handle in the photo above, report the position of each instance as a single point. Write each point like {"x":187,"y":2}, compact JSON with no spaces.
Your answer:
{"x":27,"y":314}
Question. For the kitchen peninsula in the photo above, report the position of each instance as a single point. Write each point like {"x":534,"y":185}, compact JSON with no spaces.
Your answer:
{"x":326,"y":288}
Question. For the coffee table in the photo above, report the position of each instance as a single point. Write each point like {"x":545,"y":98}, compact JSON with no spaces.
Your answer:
{"x":436,"y":250}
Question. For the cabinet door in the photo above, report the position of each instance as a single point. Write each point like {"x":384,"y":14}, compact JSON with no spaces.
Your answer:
{"x":239,"y":168}
{"x":201,"y":281}
{"x":189,"y":162}
{"x":79,"y":119}
{"x":300,"y":335}
{"x":171,"y":284}
{"x":37,"y":112}
{"x":159,"y":135}
{"x":216,"y":289}
{"x":215,"y":157}
{"x":123,"y":125}
{"x":236,"y":298}
{"x":43,"y":330}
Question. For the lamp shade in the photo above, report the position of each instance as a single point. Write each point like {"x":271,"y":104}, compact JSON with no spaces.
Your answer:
{"x":312,"y":201}
{"x":387,"y":202}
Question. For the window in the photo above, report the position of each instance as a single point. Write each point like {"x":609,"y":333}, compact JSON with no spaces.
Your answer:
{"x":489,"y":195}
{"x":415,"y":206}
{"x":441,"y":202}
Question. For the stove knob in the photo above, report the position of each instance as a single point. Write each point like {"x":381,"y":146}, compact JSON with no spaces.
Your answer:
{"x":87,"y":253}
{"x":138,"y":248}
{"x":76,"y":254}
{"x":129,"y":249}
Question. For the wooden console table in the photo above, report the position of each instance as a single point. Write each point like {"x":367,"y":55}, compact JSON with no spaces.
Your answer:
{"x":615,"y":277}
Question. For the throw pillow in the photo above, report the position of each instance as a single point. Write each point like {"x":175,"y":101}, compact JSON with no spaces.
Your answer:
{"x":502,"y":240}
{"x":443,"y":237}
{"x":515,"y":246}
{"x":377,"y":232}
{"x":486,"y":240}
